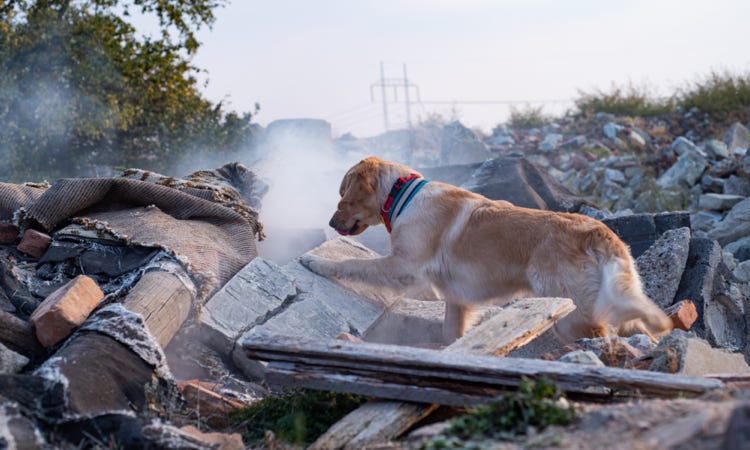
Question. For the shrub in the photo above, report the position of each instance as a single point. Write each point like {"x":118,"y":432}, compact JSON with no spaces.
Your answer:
{"x":631,"y":100}
{"x":716,"y":92}
{"x":528,"y":117}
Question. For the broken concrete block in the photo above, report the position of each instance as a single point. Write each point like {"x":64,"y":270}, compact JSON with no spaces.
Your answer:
{"x":737,"y":137}
{"x":683,"y":314}
{"x":724,"y":319}
{"x":34,"y":243}
{"x":409,"y":322}
{"x":255,"y":293}
{"x":582,"y":357}
{"x":662,"y":265}
{"x":65,"y":310}
{"x":638,"y":231}
{"x":697,"y":281}
{"x":718,"y":202}
{"x":8,"y":233}
{"x":10,"y":361}
{"x":680,"y":352}
{"x":735,"y":225}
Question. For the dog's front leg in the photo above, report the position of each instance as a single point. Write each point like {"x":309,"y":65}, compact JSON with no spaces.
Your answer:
{"x":385,"y":271}
{"x":456,"y":320}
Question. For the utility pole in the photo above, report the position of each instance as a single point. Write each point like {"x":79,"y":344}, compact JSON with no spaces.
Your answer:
{"x":396,"y":84}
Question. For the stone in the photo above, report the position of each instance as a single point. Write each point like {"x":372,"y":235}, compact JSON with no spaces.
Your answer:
{"x":742,"y":271}
{"x":313,"y":307}
{"x":65,"y":309}
{"x":409,"y":322}
{"x":550,"y":142}
{"x":679,"y":352}
{"x":712,"y":184}
{"x":740,"y":248}
{"x":684,"y":173}
{"x":256,"y":292}
{"x":737,"y":137}
{"x":638,"y":231}
{"x":683,"y":314}
{"x":34,"y":243}
{"x":610,"y":129}
{"x":682,"y":145}
{"x":737,"y":434}
{"x":18,"y":431}
{"x":574,"y":143}
{"x":8,"y":233}
{"x":637,"y":139}
{"x":701,"y":222}
{"x":615,"y":176}
{"x":661,"y":265}
{"x":735,"y":185}
{"x":10,"y":361}
{"x":582,"y":357}
{"x":735,"y":225}
{"x":716,"y":149}
{"x":719,"y":202}
{"x":612,"y":351}
{"x":459,"y":145}
{"x":724,"y":319}
{"x":697,"y":283}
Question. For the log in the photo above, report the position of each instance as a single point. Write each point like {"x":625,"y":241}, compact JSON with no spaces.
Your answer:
{"x":427,"y":376}
{"x":164,"y":302}
{"x":358,"y":429}
{"x":18,"y":335}
{"x":103,"y":370}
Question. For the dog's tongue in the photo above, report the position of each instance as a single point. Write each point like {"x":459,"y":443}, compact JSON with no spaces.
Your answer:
{"x":342,"y":232}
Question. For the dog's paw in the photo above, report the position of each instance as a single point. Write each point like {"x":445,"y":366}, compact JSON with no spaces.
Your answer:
{"x":317,"y":264}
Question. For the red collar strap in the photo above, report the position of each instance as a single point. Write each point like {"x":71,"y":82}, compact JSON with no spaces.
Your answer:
{"x":401,"y":194}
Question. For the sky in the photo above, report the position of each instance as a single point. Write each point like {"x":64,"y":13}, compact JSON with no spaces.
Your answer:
{"x":322,"y":58}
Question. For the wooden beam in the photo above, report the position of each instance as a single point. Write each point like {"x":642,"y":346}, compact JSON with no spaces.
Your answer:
{"x":18,"y":335}
{"x":427,"y":376}
{"x":517,"y":324}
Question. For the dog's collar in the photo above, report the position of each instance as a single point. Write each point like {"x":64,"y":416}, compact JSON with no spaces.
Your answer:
{"x":401,"y":194}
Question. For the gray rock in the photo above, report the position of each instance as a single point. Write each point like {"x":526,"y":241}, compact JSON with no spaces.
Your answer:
{"x":459,"y":145}
{"x":724,"y":319}
{"x":735,"y":225}
{"x":662,"y":265}
{"x":256,"y":292}
{"x":550,"y":142}
{"x":737,"y":137}
{"x":611,"y":129}
{"x":18,"y":431}
{"x":735,"y":185}
{"x":716,"y":149}
{"x":680,"y":352}
{"x":697,"y":283}
{"x":585,"y":357}
{"x":701,"y":222}
{"x":742,"y":271}
{"x":10,"y":361}
{"x":712,"y":184}
{"x":615,"y":176}
{"x":575,"y":143}
{"x":718,"y":202}
{"x":740,"y":248}
{"x":682,"y":145}
{"x":685,"y":172}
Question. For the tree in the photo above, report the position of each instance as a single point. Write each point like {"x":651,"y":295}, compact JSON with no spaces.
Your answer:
{"x":79,"y":89}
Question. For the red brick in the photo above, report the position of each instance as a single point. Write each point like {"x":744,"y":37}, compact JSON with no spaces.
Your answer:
{"x":34,"y":243}
{"x":8,"y":233}
{"x":65,"y":310}
{"x":683,"y":314}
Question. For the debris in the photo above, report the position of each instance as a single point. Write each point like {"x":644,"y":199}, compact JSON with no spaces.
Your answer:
{"x":683,"y":314}
{"x":10,"y":361}
{"x":219,"y":441}
{"x":65,"y":310}
{"x":8,"y":233}
{"x":34,"y":243}
{"x":208,"y":405}
{"x":681,"y":353}
{"x":662,"y":264}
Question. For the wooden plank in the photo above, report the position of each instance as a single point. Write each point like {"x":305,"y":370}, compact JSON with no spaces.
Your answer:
{"x":164,"y":302}
{"x":409,"y":367}
{"x":357,"y":430}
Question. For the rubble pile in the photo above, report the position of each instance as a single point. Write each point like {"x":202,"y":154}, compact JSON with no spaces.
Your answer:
{"x":137,"y":311}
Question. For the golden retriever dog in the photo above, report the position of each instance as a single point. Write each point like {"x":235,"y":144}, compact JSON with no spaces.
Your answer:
{"x":471,"y":249}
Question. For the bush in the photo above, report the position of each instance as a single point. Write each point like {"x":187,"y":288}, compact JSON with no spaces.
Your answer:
{"x":717,"y":92}
{"x":628,"y":101}
{"x":528,"y":117}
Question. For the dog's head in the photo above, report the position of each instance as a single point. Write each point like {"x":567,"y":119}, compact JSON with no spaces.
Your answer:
{"x":360,"y":205}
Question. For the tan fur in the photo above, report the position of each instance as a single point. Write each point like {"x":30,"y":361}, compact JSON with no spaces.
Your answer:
{"x":472,"y":249}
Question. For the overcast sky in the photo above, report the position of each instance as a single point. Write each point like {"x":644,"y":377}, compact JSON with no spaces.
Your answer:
{"x":319,"y":58}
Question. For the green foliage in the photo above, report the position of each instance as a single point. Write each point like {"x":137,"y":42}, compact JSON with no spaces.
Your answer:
{"x":80,"y":90}
{"x":537,"y":404}
{"x":528,"y":117}
{"x":297,"y":417}
{"x":630,"y":100}
{"x":717,"y":92}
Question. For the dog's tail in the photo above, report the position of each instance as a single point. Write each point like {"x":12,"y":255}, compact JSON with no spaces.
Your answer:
{"x":623,"y":305}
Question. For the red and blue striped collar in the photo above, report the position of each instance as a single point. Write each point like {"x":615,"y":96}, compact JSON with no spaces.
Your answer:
{"x":403,"y":191}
